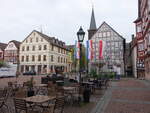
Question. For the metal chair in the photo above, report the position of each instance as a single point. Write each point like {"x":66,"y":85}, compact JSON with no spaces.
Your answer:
{"x":59,"y":104}
{"x":21,"y":93}
{"x":21,"y":105}
{"x":3,"y":98}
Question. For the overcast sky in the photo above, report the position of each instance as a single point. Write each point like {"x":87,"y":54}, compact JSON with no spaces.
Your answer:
{"x":62,"y":18}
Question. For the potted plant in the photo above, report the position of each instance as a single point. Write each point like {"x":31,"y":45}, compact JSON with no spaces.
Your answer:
{"x":30,"y":91}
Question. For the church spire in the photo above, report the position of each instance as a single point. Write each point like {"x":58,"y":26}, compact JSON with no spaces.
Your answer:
{"x":93,"y":23}
{"x":92,"y":28}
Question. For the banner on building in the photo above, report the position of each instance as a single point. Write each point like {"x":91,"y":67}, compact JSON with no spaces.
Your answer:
{"x":101,"y":49}
{"x":89,"y":49}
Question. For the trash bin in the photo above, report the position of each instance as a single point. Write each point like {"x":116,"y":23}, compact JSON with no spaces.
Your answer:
{"x":86,"y":95}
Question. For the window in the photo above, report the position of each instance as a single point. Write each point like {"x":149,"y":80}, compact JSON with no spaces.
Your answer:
{"x":58,"y":59}
{"x":1,"y":55}
{"x":64,"y":60}
{"x":52,"y":59}
{"x":61,"y":50}
{"x":22,"y":58}
{"x":33,"y":58}
{"x":39,"y":57}
{"x":108,"y":34}
{"x":27,"y":48}
{"x":44,"y":57}
{"x":27,"y":58}
{"x":139,"y":28}
{"x":51,"y":68}
{"x":23,"y":48}
{"x":45,"y":47}
{"x":100,"y":35}
{"x":58,"y":50}
{"x":52,"y":48}
{"x":26,"y":41}
{"x":116,"y":44}
{"x":61,"y":60}
{"x":140,"y":46}
{"x":40,"y":47}
{"x":37,"y":39}
{"x":41,"y":39}
{"x":31,"y":40}
{"x":33,"y":48}
{"x":104,"y":34}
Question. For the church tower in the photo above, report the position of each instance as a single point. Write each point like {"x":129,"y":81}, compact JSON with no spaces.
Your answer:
{"x":92,"y":28}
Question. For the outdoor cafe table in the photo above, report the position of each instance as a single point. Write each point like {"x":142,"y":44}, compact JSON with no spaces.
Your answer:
{"x":40,"y":85}
{"x":88,"y":83}
{"x":17,"y":84}
{"x":40,"y":88}
{"x":68,"y":88}
{"x":39,"y":99}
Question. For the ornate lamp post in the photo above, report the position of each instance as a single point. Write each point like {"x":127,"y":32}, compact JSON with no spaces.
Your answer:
{"x":80,"y":35}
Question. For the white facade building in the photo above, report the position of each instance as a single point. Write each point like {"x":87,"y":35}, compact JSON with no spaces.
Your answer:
{"x":42,"y":54}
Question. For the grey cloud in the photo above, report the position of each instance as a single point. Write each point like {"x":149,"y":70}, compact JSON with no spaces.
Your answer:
{"x":62,"y":18}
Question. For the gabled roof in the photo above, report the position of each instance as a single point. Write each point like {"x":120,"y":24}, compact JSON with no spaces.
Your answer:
{"x":17,"y":43}
{"x":138,"y":20}
{"x":3,"y":46}
{"x":104,"y":23}
{"x":49,"y":39}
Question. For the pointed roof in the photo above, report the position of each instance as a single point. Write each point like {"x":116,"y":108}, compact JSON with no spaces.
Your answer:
{"x":17,"y":43}
{"x":104,"y":23}
{"x":93,"y":23}
{"x":3,"y":46}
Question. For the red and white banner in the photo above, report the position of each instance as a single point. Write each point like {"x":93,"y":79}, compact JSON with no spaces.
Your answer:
{"x":101,"y":49}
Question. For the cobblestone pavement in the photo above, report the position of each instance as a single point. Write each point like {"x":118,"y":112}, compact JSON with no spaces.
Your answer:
{"x":128,"y":96}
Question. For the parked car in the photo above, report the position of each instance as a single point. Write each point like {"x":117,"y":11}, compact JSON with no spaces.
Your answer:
{"x":29,"y":73}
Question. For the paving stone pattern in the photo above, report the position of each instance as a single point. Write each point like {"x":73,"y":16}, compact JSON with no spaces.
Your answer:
{"x":129,"y":96}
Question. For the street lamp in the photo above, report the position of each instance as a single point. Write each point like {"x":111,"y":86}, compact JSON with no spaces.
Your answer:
{"x":80,"y":35}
